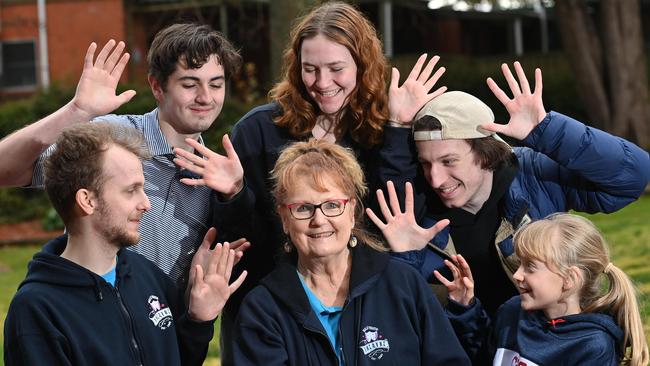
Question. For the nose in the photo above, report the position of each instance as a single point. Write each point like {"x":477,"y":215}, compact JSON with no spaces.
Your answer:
{"x":203,"y":94}
{"x":318,"y":219}
{"x":518,"y":275}
{"x":323,"y":79}
{"x":437,"y":176}
{"x":145,"y":204}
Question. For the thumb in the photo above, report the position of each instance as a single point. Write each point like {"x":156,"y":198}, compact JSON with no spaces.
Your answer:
{"x":125,"y":96}
{"x":494,"y":127}
{"x":394,"y":78}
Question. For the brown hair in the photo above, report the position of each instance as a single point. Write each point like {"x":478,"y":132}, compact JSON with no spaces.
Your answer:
{"x":488,"y":152}
{"x":563,"y":241}
{"x":191,"y":44}
{"x":320,"y":160}
{"x":367,"y":108}
{"x":77,"y":161}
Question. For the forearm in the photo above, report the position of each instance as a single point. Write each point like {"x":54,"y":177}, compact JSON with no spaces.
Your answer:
{"x":21,"y":149}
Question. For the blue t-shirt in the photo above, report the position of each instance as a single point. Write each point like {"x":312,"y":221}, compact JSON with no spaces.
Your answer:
{"x":110,"y":276}
{"x":329,"y":316}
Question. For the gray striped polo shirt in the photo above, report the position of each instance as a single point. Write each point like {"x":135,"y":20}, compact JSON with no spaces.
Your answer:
{"x":180,"y":215}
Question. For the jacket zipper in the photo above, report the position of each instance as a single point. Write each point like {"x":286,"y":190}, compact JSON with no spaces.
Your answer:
{"x":134,"y":342}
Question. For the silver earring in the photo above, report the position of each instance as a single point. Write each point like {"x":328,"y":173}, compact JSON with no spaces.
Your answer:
{"x":353,"y":241}
{"x":287,"y":247}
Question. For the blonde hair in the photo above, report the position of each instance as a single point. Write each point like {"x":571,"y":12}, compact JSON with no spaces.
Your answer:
{"x":563,"y":241}
{"x":319,"y":161}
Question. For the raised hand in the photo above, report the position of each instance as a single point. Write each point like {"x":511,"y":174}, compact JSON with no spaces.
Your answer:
{"x":461,"y":289}
{"x":210,"y":288}
{"x":96,"y":90}
{"x":526,"y":108}
{"x":401,"y":230}
{"x":405,"y":101}
{"x":223,"y":174}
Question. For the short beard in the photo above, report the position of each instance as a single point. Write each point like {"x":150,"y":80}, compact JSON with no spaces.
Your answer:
{"x":115,"y":235}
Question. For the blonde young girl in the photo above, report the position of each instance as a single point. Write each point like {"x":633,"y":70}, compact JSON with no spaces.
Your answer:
{"x":575,"y":307}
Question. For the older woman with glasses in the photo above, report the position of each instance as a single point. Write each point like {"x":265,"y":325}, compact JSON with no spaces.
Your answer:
{"x":338,"y":299}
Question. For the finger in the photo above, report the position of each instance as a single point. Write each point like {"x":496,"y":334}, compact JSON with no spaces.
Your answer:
{"x":467,"y":271}
{"x":424,"y":75}
{"x":510,"y":79}
{"x":229,"y":264}
{"x":538,"y":82}
{"x":189,"y":156}
{"x":434,"y":79}
{"x":415,"y":71}
{"x":235,"y":285}
{"x":380,"y":224}
{"x":392,"y":196}
{"x":494,"y":127}
{"x":201,"y":149}
{"x":229,"y":148}
{"x":438,"y":227}
{"x":408,"y":198}
{"x":88,"y":59}
{"x":101,"y":57}
{"x":185,"y":165}
{"x":114,"y":56}
{"x":394,"y":78}
{"x":119,"y":67}
{"x":209,"y":237}
{"x":194,"y":182}
{"x":192,"y":277}
{"x":442,"y":279}
{"x":521,"y":75}
{"x":238,"y":257}
{"x":216,"y":256}
{"x":198,"y":277}
{"x":453,"y":268}
{"x":437,"y":93}
{"x":383,"y":206}
{"x":237,"y":244}
{"x":498,"y":92}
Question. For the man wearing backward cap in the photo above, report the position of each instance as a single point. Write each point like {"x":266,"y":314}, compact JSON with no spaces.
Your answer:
{"x":487,"y":189}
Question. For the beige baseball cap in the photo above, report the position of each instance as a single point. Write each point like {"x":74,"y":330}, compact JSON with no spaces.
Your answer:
{"x":460,"y":114}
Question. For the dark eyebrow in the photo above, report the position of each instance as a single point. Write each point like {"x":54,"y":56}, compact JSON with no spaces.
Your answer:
{"x":194,"y":78}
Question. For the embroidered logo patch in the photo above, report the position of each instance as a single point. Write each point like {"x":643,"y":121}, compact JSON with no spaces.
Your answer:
{"x":373,"y":343}
{"x":159,"y":313}
{"x":506,"y":357}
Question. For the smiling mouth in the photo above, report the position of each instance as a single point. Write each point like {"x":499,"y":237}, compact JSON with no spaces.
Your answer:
{"x":447,"y":190}
{"x":321,"y":235}
{"x":329,"y":93}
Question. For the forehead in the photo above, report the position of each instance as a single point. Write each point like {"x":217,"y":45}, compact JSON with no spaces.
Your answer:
{"x":121,"y":168}
{"x":322,"y":50}
{"x":436,"y":149}
{"x":306,"y":188}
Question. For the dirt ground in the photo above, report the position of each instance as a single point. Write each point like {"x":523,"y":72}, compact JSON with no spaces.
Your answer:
{"x":25,"y":232}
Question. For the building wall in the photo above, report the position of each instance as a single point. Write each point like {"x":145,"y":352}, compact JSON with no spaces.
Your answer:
{"x":71,"y":26}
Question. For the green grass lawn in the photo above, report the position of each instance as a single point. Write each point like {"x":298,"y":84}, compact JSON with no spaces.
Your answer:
{"x":627,"y":231}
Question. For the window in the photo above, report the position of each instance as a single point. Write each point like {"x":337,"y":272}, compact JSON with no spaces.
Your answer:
{"x":17,"y":64}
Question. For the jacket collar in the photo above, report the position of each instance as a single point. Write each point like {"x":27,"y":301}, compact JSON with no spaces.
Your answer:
{"x":285,"y":286}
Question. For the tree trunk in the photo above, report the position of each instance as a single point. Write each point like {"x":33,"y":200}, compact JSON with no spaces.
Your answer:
{"x":610,"y":70}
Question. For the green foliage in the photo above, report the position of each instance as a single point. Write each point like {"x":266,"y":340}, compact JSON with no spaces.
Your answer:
{"x":21,"y":204}
{"x":52,"y":220}
{"x":469,"y":75}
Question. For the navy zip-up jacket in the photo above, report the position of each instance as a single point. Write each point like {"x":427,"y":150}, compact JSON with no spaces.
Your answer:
{"x":390,"y":317}
{"x":530,"y":338}
{"x":64,"y":314}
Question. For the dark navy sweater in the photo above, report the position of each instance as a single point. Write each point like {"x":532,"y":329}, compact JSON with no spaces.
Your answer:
{"x":530,"y":338}
{"x":64,"y":314}
{"x":390,"y":317}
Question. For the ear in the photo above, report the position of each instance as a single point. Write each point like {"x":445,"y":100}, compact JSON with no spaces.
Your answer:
{"x":574,"y":280}
{"x":156,"y":88}
{"x":86,"y":201}
{"x":283,"y":217}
